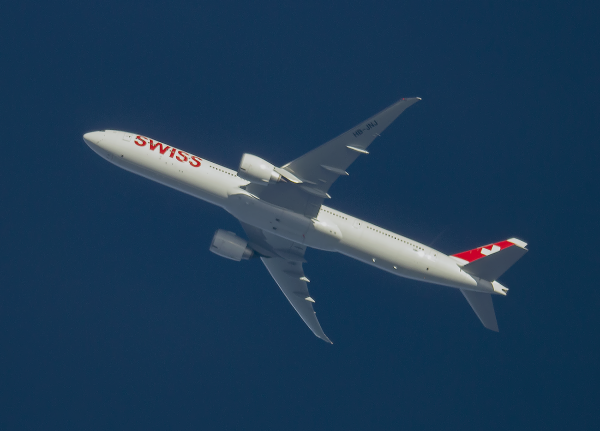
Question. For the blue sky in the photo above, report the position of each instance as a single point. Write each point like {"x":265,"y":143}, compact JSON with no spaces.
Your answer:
{"x":114,"y":314}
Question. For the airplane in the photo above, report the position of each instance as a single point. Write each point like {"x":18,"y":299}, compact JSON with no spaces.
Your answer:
{"x":282,"y":212}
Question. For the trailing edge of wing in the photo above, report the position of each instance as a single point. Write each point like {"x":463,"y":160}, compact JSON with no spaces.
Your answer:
{"x":290,"y":278}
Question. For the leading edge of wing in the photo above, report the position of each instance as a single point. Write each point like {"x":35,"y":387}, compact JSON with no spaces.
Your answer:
{"x":289,"y":276}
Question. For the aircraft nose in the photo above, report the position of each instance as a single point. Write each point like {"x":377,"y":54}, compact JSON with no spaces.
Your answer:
{"x":93,"y":138}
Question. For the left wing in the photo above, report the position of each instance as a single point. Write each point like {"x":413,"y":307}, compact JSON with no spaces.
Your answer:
{"x":283,"y":259}
{"x":319,"y":168}
{"x":313,"y":173}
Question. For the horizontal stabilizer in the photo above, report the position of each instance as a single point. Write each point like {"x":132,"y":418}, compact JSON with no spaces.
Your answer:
{"x":482,"y":305}
{"x":491,"y":261}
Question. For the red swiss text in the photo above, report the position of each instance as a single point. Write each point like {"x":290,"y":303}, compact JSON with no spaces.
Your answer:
{"x":173,"y":153}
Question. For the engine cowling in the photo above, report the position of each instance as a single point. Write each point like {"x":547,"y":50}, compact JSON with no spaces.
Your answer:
{"x":229,"y":245}
{"x":257,"y":170}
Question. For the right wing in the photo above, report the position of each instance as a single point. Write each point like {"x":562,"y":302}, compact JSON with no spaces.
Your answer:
{"x":290,"y":278}
{"x":283,"y":259}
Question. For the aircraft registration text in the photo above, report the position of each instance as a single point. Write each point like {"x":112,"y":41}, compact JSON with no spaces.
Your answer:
{"x":367,"y":127}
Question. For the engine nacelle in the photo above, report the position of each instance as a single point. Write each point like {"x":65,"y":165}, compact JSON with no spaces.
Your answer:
{"x":257,"y":170}
{"x":229,"y":245}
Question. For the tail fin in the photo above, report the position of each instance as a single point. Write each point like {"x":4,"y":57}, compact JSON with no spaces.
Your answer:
{"x":491,"y":261}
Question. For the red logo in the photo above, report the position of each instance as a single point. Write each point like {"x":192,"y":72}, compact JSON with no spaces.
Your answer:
{"x":182,"y":156}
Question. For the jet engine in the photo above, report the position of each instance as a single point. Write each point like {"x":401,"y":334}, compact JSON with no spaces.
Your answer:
{"x":257,"y":170}
{"x":229,"y":245}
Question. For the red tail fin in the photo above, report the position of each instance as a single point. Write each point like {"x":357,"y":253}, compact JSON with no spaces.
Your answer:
{"x":491,"y":261}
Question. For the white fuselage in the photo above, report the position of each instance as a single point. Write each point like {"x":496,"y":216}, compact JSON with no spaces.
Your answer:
{"x":331,"y":230}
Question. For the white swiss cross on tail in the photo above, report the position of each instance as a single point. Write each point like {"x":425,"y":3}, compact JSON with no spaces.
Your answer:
{"x":488,"y":251}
